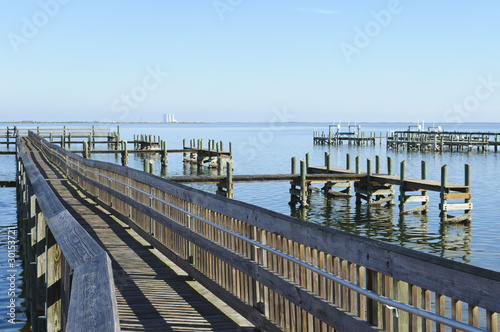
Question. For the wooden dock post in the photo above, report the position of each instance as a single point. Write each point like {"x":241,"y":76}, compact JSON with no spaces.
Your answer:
{"x":124,"y":153}
{"x":368,"y":181}
{"x":146,"y":165}
{"x":424,"y":192}
{"x":63,"y":145}
{"x":220,"y":166}
{"x":389,"y":166}
{"x":348,"y":161}
{"x":328,"y":162}
{"x":308,"y":162}
{"x":85,"y":150}
{"x":50,"y":138}
{"x":152,"y":166}
{"x":8,"y":135}
{"x":356,"y":185}
{"x":444,"y":179}
{"x":229,"y":180}
{"x":69,"y":140}
{"x":164,"y":154}
{"x":467,"y":183}
{"x":377,"y":164}
{"x":303,"y":184}
{"x":402,"y":192}
{"x":293,"y":185}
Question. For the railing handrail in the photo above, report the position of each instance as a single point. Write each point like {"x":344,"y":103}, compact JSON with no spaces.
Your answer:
{"x":88,"y":261}
{"x":325,"y":240}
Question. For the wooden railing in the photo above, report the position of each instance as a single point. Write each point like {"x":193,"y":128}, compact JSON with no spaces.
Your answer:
{"x":11,"y":131}
{"x":285,"y":273}
{"x":70,"y":282}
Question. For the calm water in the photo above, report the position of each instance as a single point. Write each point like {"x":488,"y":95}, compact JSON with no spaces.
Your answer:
{"x":11,"y":282}
{"x":263,"y":148}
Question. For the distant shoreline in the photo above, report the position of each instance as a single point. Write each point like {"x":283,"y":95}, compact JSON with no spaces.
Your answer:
{"x":235,"y":122}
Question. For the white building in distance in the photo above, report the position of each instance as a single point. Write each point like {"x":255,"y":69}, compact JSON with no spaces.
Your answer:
{"x":169,"y":118}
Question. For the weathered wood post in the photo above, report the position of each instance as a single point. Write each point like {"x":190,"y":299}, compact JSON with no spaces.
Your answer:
{"x":308,"y":162}
{"x":424,"y":177}
{"x":303,"y":183}
{"x":54,"y":255}
{"x":442,"y":206}
{"x":229,"y":183}
{"x":328,"y":162}
{"x":146,"y":165}
{"x":124,"y":153}
{"x":164,"y":154}
{"x":91,"y":142}
{"x":357,"y":185}
{"x":85,"y":150}
{"x":377,"y":164}
{"x":151,"y":166}
{"x":368,"y":181}
{"x":294,"y":166}
{"x":467,"y":183}
{"x":50,"y":137}
{"x":69,"y":140}
{"x":63,"y":145}
{"x":8,"y":135}
{"x":348,"y":161}
{"x":389,"y":165}
{"x":402,"y":191}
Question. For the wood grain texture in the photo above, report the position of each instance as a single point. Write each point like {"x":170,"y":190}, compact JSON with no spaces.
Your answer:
{"x":93,"y":300}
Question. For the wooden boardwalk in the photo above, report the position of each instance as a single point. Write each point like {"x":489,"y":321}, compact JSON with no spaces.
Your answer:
{"x":152,"y":294}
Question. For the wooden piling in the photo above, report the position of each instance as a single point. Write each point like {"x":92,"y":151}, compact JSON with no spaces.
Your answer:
{"x":303,"y":183}
{"x":146,"y":165}
{"x":85,"y":150}
{"x":151,"y":166}
{"x":308,"y":162}
{"x":348,"y":161}
{"x":468,"y":183}
{"x":294,"y":165}
{"x":124,"y":153}
{"x":402,"y":191}
{"x":424,"y":177}
{"x":444,"y":179}
{"x":164,"y":154}
{"x":229,"y":183}
{"x":377,"y":164}
{"x":389,"y":166}
{"x":368,"y":181}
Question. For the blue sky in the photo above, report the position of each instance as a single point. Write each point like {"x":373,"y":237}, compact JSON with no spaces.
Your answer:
{"x":242,"y":60}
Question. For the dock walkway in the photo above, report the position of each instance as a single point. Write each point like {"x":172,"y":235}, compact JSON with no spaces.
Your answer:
{"x":151,"y":295}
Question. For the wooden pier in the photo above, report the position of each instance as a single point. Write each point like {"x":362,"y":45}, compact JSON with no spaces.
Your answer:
{"x":279,"y":272}
{"x":437,"y":141}
{"x":353,"y":136}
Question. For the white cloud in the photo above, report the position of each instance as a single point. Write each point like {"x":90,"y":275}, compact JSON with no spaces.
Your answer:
{"x":317,"y":10}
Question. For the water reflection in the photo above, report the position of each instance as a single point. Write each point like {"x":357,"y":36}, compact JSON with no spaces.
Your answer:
{"x":384,"y":223}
